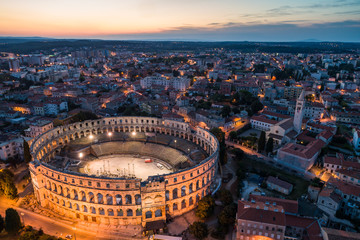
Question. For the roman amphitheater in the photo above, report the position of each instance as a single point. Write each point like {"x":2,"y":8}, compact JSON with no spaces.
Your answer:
{"x":124,"y":170}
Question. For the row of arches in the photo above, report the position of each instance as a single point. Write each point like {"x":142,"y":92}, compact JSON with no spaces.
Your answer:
{"x":97,"y":211}
{"x":90,"y":197}
{"x":185,"y":203}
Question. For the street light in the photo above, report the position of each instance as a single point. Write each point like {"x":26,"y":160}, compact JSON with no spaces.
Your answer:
{"x":133,"y":133}
{"x":109,"y":134}
{"x":175,"y":143}
{"x":91,"y":137}
{"x":81,"y":155}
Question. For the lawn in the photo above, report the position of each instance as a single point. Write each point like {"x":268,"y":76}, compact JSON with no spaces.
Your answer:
{"x":265,"y":170}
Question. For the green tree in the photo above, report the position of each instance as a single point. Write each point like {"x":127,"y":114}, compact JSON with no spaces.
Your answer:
{"x":270,"y":145}
{"x":12,"y":221}
{"x":27,"y":155}
{"x":7,"y":186}
{"x":261,"y":141}
{"x":205,"y":207}
{"x":227,"y":215}
{"x":2,"y":224}
{"x":199,"y":230}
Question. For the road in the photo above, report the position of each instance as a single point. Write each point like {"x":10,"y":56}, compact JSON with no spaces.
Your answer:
{"x":51,"y":226}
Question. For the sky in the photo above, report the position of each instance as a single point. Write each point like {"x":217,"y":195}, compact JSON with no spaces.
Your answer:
{"x":193,"y":20}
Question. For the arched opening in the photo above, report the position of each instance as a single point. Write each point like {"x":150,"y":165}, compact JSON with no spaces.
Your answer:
{"x":110,"y":212}
{"x":175,"y":207}
{"x":158,"y":213}
{"x":128,"y":199}
{"x":91,"y":197}
{"x":83,"y":196}
{"x":109,"y":199}
{"x":84,"y":208}
{"x":138,"y":212}
{"x":129,"y":212}
{"x":190,"y":188}
{"x":100,"y":198}
{"x":183,"y":191}
{"x":148,"y":214}
{"x":101,"y":211}
{"x":118,"y":199}
{"x":175,"y":193}
{"x":191,"y":201}
{"x":183,"y":204}
{"x":92,"y":210}
{"x":120,"y":212}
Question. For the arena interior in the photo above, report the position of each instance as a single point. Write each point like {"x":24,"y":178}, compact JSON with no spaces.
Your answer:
{"x":124,"y":170}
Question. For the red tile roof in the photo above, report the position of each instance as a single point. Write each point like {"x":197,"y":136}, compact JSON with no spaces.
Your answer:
{"x":260,"y":212}
{"x":290,"y":206}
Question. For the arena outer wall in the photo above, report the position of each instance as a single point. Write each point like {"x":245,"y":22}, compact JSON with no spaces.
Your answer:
{"x":121,"y":201}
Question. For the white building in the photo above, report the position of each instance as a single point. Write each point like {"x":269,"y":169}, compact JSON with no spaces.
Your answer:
{"x":180,"y":84}
{"x":262,"y":123}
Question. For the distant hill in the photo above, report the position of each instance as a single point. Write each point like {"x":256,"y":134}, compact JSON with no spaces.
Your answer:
{"x":48,"y":45}
{"x":22,"y":39}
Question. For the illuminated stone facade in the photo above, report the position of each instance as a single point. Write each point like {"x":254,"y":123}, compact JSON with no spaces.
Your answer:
{"x":121,"y":201}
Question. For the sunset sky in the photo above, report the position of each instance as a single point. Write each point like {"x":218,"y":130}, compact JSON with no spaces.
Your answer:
{"x":229,"y":20}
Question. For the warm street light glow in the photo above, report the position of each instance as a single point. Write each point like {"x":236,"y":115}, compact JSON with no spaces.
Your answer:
{"x":91,"y":136}
{"x":81,"y":155}
{"x":133,"y":133}
{"x":109,"y":134}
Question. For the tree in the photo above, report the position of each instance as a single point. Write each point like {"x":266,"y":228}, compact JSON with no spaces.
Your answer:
{"x":7,"y":186}
{"x":12,"y":221}
{"x":205,"y":207}
{"x":199,"y":230}
{"x":256,"y":106}
{"x":220,"y":135}
{"x":226,"y":197}
{"x":262,"y":141}
{"x":27,"y":155}
{"x":270,"y":145}
{"x":227,"y":215}
{"x":2,"y":224}
{"x":232,"y":135}
{"x":226,"y":110}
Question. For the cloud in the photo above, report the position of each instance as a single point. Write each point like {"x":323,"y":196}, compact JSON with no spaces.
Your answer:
{"x":347,"y":31}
